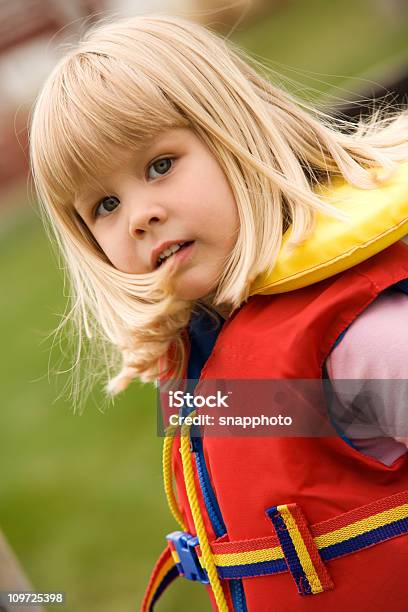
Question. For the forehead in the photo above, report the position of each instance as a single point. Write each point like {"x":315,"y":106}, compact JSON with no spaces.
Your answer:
{"x":89,"y":119}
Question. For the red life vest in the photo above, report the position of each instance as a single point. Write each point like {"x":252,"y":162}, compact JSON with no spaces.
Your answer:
{"x":313,"y":499}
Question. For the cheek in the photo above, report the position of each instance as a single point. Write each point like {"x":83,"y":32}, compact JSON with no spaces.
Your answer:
{"x":217,"y":203}
{"x":117,"y":252}
{"x":224,"y":206}
{"x":107,"y":246}
{"x":226,"y":217}
{"x":232,"y":216}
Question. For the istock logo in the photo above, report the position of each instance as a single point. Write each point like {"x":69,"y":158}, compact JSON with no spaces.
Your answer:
{"x":177,"y":399}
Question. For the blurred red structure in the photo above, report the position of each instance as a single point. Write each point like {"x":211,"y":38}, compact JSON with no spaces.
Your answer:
{"x":22,"y":20}
{"x":22,"y":24}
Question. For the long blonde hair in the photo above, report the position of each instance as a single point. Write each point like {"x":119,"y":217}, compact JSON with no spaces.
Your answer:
{"x":127,"y":81}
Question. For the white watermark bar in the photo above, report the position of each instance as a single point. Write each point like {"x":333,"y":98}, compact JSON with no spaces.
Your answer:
{"x":353,"y":408}
{"x":9,"y":599}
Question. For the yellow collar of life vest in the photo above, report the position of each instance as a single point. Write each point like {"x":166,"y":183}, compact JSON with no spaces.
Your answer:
{"x":378,"y":218}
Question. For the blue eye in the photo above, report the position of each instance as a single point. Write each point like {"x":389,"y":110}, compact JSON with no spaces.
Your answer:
{"x":106,"y":206}
{"x":161,"y":166}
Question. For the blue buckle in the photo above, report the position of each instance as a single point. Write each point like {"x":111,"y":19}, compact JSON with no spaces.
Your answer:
{"x":189,"y":566}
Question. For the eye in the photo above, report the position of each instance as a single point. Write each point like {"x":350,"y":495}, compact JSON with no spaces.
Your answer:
{"x":106,"y":206}
{"x":160,"y":166}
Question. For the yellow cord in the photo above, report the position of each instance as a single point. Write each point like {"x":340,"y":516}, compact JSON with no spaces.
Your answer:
{"x":168,"y":477}
{"x":207,"y":555}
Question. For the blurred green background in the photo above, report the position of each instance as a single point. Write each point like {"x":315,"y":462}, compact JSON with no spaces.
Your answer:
{"x":81,"y":496}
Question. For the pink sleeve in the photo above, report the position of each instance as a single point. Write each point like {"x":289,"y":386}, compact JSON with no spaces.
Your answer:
{"x":375,"y":346}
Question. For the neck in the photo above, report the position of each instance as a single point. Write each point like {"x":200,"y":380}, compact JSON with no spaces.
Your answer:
{"x":224,"y":310}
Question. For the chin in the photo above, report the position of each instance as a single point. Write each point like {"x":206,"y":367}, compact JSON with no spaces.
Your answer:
{"x":192,"y":289}
{"x":190,"y":294}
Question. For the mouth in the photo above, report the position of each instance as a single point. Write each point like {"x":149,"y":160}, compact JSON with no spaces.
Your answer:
{"x":181,"y":253}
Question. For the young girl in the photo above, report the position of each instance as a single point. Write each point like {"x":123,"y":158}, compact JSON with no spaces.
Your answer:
{"x":170,"y":170}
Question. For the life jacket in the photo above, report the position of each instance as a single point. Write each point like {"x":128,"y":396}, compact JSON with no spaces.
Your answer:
{"x":291,"y":523}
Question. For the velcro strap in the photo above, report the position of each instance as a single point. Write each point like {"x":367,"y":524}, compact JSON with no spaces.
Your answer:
{"x":301,"y":555}
{"x":345,"y":534}
{"x":163,"y":574}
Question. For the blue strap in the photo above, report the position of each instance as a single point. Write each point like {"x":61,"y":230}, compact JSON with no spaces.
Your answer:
{"x":340,"y":338}
{"x":402,"y":285}
{"x":203,"y":333}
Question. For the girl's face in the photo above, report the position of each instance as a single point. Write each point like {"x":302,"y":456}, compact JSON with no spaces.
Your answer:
{"x":172,"y":192}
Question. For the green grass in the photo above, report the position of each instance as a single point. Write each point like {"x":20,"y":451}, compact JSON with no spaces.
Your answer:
{"x":321,"y":44}
{"x":83,"y":506}
{"x":82,"y":501}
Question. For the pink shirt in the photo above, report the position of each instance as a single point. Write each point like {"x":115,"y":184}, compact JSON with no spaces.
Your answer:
{"x":375,"y":346}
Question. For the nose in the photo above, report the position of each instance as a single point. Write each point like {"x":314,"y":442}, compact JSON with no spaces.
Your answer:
{"x":144,"y":217}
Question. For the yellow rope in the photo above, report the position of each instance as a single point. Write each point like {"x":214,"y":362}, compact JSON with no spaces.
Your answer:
{"x":168,"y":477}
{"x":207,"y":555}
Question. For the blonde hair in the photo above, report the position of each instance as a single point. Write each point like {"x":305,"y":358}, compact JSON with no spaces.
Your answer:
{"x":127,"y":81}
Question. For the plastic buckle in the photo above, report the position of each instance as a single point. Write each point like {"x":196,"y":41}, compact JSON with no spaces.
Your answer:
{"x":188,"y":565}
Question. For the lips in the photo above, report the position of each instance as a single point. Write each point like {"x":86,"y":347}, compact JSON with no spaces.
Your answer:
{"x":162,"y":247}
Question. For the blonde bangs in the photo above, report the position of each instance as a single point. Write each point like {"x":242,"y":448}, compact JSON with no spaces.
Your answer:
{"x":101,"y":108}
